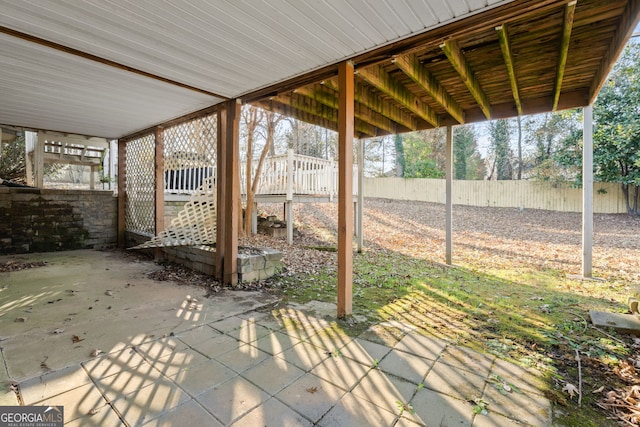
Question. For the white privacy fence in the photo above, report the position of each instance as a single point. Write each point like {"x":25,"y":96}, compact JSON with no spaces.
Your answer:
{"x":286,"y":174}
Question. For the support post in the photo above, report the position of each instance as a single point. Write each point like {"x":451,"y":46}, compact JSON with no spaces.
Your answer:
{"x":448,"y":196}
{"x":122,"y":192}
{"x":360,"y":224}
{"x":288,"y":205}
{"x":345,"y":187}
{"x":230,"y":187}
{"x":159,"y":187}
{"x":587,"y":193}
{"x":92,"y":177}
{"x":289,"y":218}
{"x":221,"y":152}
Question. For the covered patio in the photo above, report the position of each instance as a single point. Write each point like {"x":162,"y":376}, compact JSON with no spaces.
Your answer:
{"x":130,"y":73}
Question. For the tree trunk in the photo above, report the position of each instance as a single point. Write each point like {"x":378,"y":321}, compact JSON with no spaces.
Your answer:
{"x":519,"y":148}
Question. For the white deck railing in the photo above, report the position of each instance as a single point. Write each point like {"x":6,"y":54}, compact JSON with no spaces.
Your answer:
{"x":288,"y":175}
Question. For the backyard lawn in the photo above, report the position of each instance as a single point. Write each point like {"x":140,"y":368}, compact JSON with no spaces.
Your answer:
{"x":514,"y":290}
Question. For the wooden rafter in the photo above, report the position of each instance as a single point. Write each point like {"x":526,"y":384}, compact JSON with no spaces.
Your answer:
{"x":308,"y":105}
{"x":567,"y":25}
{"x":385,"y":83}
{"x":412,"y":67}
{"x":328,"y":97}
{"x":365,"y":96}
{"x":462,"y":67}
{"x":505,"y":46}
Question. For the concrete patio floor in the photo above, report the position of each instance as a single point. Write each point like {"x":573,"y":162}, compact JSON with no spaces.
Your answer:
{"x":92,"y":332}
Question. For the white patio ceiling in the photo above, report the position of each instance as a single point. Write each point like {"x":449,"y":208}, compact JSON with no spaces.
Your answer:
{"x":111,"y":67}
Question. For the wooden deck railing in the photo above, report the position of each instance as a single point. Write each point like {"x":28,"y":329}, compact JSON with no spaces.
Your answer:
{"x":288,"y":174}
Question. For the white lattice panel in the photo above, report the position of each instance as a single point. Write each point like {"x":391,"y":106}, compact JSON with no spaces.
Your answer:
{"x":140,"y":185}
{"x":195,"y":223}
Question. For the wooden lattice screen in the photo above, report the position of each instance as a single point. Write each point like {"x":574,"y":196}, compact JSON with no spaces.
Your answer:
{"x":189,"y":154}
{"x":140,"y":185}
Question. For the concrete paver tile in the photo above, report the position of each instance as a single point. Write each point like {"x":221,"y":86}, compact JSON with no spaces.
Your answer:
{"x":231,"y":400}
{"x":267,"y":319}
{"x":243,"y":358}
{"x":200,"y":377}
{"x":198,"y":335}
{"x":454,"y":381}
{"x":468,"y":359}
{"x":216,"y":346}
{"x":53,"y":383}
{"x":249,"y":332}
{"x":329,"y":338}
{"x":384,"y":390}
{"x":436,"y":409}
{"x":273,"y":374}
{"x":494,"y":420}
{"x":173,"y":363}
{"x":275,"y":342}
{"x":353,"y":411}
{"x":311,"y":396}
{"x":421,"y":345}
{"x":526,"y":379}
{"x":526,"y":407}
{"x":79,"y":402}
{"x":365,"y":352}
{"x":272,"y":413}
{"x":405,"y":365}
{"x":127,"y":381}
{"x":112,"y":363}
{"x":304,"y":355}
{"x":343,"y":372}
{"x":156,"y":349}
{"x":149,"y":402}
{"x":383,"y":335}
{"x":229,"y":324}
{"x":187,"y":414}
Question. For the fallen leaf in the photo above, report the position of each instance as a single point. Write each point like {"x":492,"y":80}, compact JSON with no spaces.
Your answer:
{"x":57,"y":331}
{"x":21,"y":319}
{"x":109,"y":292}
{"x":312,"y":389}
{"x":76,"y":339}
{"x":96,"y":352}
{"x":571,"y":389}
{"x":598,"y":390}
{"x":93,"y":411}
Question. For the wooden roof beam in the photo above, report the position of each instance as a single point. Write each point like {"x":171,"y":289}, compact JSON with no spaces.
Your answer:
{"x":462,"y":67}
{"x":385,"y":83}
{"x":505,"y":46}
{"x":567,"y":25}
{"x":328,"y":97}
{"x":310,"y":106}
{"x":628,"y":22}
{"x":365,"y":96}
{"x":415,"y":70}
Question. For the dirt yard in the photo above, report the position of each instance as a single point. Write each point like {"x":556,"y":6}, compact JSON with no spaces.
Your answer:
{"x":486,"y":238}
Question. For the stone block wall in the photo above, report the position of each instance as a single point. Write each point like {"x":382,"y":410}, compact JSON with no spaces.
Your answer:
{"x":46,"y":220}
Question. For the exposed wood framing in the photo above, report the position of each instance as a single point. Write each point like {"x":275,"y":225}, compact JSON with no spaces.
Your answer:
{"x":345,"y":189}
{"x":328,"y":97}
{"x":567,"y":25}
{"x":587,"y":193}
{"x":311,"y":106}
{"x":364,"y":95}
{"x":462,"y":67}
{"x":381,"y":80}
{"x":221,"y":172}
{"x":628,"y":22}
{"x":505,"y":46}
{"x":412,"y":67}
{"x":449,"y":196}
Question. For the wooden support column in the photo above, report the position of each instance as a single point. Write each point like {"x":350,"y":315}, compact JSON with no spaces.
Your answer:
{"x":122,"y":192}
{"x":360,"y":227}
{"x":448,"y":197}
{"x":345,"y":188}
{"x":221,"y":152}
{"x":159,"y":187}
{"x":587,"y":193}
{"x":229,"y":184}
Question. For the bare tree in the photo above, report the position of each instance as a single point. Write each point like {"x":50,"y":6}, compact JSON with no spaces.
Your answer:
{"x":252,"y":117}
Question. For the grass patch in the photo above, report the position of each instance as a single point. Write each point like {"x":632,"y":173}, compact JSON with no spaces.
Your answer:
{"x":534,"y":318}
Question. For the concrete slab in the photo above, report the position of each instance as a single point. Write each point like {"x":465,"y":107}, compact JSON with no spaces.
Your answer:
{"x":232,"y":400}
{"x":406,"y":365}
{"x":273,"y":374}
{"x":627,"y":323}
{"x":243,"y":358}
{"x":453,"y":381}
{"x":275,"y":342}
{"x":127,"y":381}
{"x":529,"y":408}
{"x":216,"y":346}
{"x":432,"y":408}
{"x":465,"y":358}
{"x":188,"y":414}
{"x":198,"y":378}
{"x":80,"y":402}
{"x":384,"y":390}
{"x":343,"y":372}
{"x":52,"y":384}
{"x":365,"y":352}
{"x":426,"y":346}
{"x":305,"y":356}
{"x":311,"y":396}
{"x":272,"y":413}
{"x":353,"y":411}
